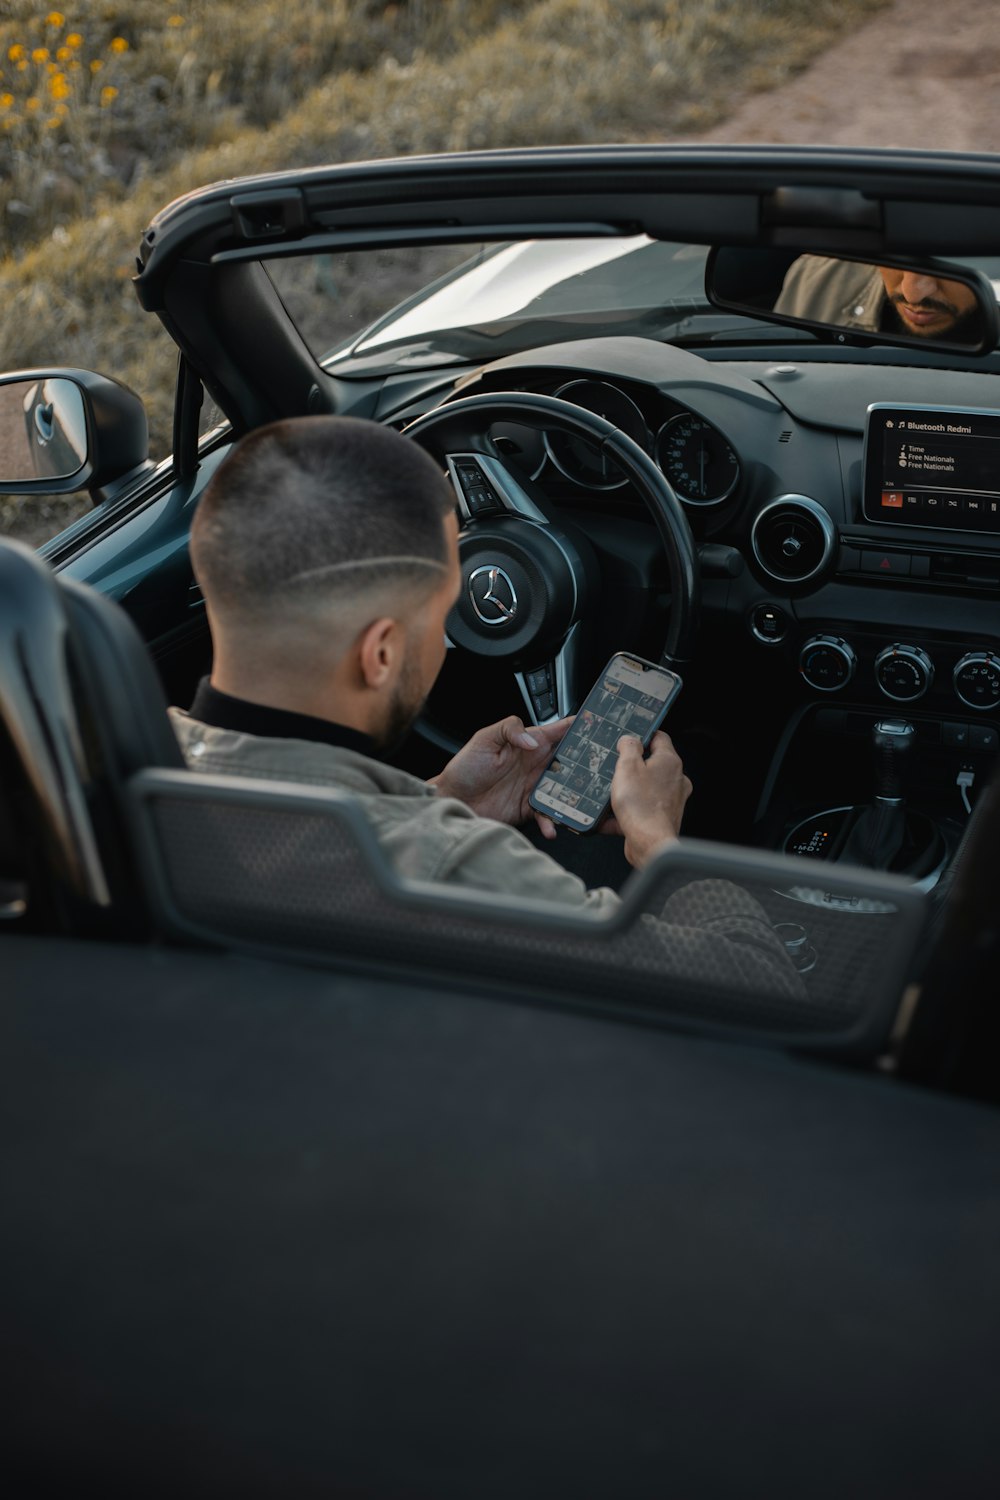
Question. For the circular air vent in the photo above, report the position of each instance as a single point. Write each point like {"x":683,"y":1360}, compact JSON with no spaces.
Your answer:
{"x":793,"y":538}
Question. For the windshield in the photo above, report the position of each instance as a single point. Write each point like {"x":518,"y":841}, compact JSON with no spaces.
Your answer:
{"x":611,"y":280}
{"x":368,"y":312}
{"x":443,"y":304}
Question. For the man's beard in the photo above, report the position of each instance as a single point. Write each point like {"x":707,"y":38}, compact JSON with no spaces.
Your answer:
{"x":967,"y":329}
{"x":403,"y":711}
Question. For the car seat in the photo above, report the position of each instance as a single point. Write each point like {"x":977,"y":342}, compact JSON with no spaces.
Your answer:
{"x":80,"y":710}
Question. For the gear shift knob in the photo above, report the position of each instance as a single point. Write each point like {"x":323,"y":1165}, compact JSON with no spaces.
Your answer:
{"x":892,"y":740}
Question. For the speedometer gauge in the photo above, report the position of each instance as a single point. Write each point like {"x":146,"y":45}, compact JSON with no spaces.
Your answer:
{"x":583,"y":462}
{"x":695,"y":457}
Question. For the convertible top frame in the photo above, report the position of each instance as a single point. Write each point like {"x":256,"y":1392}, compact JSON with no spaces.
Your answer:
{"x":199,"y":268}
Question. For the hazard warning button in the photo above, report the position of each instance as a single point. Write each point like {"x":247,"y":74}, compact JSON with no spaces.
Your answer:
{"x":888,"y":564}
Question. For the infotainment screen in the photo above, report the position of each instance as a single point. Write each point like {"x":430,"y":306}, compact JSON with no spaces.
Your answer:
{"x":933,"y":466}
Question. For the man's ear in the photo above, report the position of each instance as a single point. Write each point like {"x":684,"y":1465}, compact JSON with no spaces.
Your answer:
{"x":380,"y":652}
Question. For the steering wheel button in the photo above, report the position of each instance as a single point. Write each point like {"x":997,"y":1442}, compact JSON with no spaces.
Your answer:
{"x":479,"y":500}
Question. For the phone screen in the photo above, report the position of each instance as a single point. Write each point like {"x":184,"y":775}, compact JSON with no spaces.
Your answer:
{"x":630,"y":697}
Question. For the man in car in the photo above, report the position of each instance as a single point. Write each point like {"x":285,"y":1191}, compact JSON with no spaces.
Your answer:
{"x":327,"y":552}
{"x":886,"y":299}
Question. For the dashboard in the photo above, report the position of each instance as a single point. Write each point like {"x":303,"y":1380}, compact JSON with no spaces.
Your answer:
{"x":769,"y":461}
{"x":822,"y":595}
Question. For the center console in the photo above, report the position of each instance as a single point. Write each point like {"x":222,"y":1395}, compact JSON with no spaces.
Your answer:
{"x":902,"y":621}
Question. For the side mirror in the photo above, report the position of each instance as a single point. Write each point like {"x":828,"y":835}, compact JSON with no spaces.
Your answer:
{"x":931,"y":304}
{"x":66,"y":430}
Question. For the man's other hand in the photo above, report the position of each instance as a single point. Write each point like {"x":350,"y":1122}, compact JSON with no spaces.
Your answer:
{"x":494,"y":773}
{"x":648,"y":796}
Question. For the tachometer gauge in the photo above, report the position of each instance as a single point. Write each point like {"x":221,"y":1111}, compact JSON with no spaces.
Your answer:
{"x":583,"y":462}
{"x":695,"y":457}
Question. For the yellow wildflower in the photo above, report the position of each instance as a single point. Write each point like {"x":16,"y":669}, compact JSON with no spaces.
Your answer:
{"x":74,"y":39}
{"x":96,"y":65}
{"x":64,"y":54}
{"x":53,"y":122}
{"x":22,"y":65}
{"x":119,"y":44}
{"x":16,"y":53}
{"x":59,"y":87}
{"x":175,"y":20}
{"x":32,"y":104}
{"x":40,"y":54}
{"x":108,"y":95}
{"x":6,"y":100}
{"x":55,"y":18}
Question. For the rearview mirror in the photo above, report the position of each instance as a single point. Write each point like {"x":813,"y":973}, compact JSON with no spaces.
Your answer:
{"x":934,"y":304}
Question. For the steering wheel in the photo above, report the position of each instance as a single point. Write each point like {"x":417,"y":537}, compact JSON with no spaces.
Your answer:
{"x":529,"y":581}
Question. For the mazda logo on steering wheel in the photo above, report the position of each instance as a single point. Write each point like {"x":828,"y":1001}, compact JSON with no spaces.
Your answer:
{"x":493,"y":596}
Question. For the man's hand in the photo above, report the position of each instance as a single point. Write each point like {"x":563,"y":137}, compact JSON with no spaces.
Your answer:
{"x":648,"y":796}
{"x":496,"y":770}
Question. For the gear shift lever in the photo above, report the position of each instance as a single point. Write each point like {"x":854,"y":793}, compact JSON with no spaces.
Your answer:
{"x":883,"y":834}
{"x":893,"y":741}
{"x":877,"y":836}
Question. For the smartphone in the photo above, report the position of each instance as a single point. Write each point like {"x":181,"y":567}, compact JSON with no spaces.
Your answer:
{"x":631,"y":696}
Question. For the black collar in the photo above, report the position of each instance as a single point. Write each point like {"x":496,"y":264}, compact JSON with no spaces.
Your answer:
{"x":225,"y":712}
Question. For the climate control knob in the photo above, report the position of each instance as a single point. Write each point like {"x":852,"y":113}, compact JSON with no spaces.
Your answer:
{"x":827,"y":663}
{"x":904,"y":672}
{"x":977,"y":679}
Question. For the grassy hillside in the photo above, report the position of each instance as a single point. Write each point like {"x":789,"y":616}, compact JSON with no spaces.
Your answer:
{"x":108,"y":110}
{"x":98,"y":95}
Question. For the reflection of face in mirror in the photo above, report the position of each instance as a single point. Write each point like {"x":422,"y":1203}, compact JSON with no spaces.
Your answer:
{"x":928,"y":305}
{"x":881,"y":299}
{"x":43,"y":430}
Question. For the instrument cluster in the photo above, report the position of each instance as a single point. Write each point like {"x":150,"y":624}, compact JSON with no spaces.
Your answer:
{"x":700,"y":463}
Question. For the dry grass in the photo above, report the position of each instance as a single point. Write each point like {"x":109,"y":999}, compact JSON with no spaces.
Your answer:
{"x":95,"y":97}
{"x":244,"y":86}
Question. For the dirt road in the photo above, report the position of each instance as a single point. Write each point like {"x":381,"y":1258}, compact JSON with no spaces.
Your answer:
{"x":922,"y":73}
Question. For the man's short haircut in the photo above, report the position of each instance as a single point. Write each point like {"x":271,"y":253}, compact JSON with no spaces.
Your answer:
{"x":315,"y":510}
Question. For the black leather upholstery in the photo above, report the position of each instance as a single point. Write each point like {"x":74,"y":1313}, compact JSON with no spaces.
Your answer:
{"x":81,"y":709}
{"x":120,"y":683}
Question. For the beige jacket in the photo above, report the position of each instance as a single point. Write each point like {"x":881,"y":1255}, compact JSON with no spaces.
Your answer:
{"x":424,"y":836}
{"x":707,"y":926}
{"x":842,"y":292}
